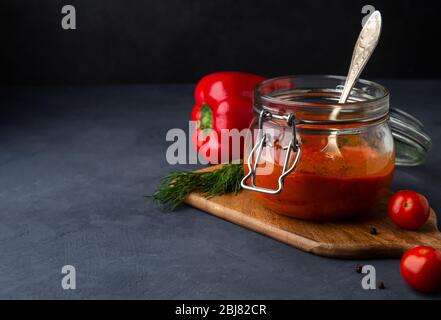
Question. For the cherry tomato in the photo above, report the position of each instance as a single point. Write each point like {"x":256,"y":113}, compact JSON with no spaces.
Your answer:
{"x":408,"y":209}
{"x":421,"y":268}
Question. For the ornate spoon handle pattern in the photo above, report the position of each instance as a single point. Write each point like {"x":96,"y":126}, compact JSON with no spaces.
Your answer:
{"x":366,"y":43}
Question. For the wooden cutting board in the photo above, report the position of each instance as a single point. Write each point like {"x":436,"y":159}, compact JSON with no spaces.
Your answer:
{"x":345,"y":239}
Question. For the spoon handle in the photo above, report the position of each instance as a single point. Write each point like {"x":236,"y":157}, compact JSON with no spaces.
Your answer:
{"x":366,"y":43}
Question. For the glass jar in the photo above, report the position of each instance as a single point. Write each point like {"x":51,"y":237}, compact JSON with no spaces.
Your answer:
{"x":312,"y":158}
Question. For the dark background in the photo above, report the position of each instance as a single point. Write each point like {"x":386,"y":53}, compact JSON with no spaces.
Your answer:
{"x":77,"y":162}
{"x":130,"y":41}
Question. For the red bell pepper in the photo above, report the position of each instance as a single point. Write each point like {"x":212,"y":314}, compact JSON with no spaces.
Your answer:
{"x":223,"y":101}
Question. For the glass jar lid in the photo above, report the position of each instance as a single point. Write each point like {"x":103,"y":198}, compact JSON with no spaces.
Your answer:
{"x":313,"y":98}
{"x":412,"y":144}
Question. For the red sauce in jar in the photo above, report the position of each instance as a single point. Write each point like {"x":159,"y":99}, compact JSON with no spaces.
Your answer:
{"x":328,"y":186}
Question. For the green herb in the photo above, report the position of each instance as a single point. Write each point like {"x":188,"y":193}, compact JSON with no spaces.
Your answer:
{"x":176,"y":186}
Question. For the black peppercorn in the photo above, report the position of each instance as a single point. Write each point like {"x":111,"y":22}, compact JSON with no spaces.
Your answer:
{"x":381,"y":285}
{"x":358,"y":268}
{"x":373,"y":231}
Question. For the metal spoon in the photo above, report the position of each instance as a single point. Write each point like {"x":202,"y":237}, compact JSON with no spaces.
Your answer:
{"x":366,"y":43}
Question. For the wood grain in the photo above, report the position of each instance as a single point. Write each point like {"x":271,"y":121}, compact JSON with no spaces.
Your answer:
{"x":344,"y":239}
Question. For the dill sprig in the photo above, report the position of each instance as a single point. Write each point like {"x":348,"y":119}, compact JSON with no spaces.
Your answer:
{"x":176,"y":186}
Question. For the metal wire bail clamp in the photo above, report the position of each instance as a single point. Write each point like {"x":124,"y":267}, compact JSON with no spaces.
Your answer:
{"x":261,"y":143}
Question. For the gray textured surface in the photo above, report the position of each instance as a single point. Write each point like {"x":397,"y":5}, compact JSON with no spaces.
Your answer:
{"x":75,"y":165}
